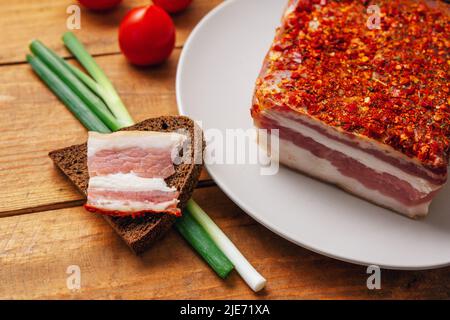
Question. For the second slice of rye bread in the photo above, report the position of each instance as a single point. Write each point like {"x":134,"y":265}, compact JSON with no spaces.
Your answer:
{"x":140,"y":233}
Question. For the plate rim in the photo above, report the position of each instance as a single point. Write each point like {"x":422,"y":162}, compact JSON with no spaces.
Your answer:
{"x":236,"y":199}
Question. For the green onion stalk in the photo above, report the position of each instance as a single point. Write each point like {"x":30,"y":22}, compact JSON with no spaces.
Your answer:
{"x":253,"y":279}
{"x":107,"y":91}
{"x":198,"y":238}
{"x":73,"y":102}
{"x":65,"y":74}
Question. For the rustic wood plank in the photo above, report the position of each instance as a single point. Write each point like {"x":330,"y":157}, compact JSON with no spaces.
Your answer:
{"x":36,"y":249}
{"x":35,"y":122}
{"x":23,"y":21}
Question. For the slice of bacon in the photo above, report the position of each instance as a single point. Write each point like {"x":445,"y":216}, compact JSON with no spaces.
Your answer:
{"x":127,"y":171}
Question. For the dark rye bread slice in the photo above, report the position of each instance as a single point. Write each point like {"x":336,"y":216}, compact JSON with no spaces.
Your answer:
{"x":140,"y":233}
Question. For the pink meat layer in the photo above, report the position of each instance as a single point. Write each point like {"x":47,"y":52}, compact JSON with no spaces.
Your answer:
{"x":154,"y":196}
{"x":384,"y":183}
{"x":147,"y":163}
{"x":433,"y":175}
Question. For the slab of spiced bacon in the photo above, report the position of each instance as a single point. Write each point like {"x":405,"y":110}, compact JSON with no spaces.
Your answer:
{"x":360,"y":93}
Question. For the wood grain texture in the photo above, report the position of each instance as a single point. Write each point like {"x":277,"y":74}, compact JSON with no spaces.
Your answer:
{"x":36,"y":249}
{"x":26,"y":20}
{"x":35,"y":122}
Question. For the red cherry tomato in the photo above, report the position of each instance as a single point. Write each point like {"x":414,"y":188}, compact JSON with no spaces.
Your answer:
{"x":173,"y":6}
{"x":100,"y":5}
{"x":147,"y":35}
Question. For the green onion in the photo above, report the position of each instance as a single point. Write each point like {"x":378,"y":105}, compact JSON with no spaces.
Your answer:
{"x":203,"y":244}
{"x":88,"y":81}
{"x":67,"y":96}
{"x":243,"y":267}
{"x":56,"y":64}
{"x":108,"y":94}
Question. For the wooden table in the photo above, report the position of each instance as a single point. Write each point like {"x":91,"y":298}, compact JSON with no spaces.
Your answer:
{"x":44,"y":229}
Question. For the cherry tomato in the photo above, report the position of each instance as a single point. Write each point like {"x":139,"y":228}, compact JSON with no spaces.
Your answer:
{"x":100,"y":5}
{"x":173,"y":6}
{"x":147,"y":35}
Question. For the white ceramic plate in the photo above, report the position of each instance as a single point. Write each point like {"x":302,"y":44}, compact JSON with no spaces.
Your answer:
{"x":215,"y":82}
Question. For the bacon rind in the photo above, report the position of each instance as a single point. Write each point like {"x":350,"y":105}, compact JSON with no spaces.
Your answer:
{"x":115,"y":213}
